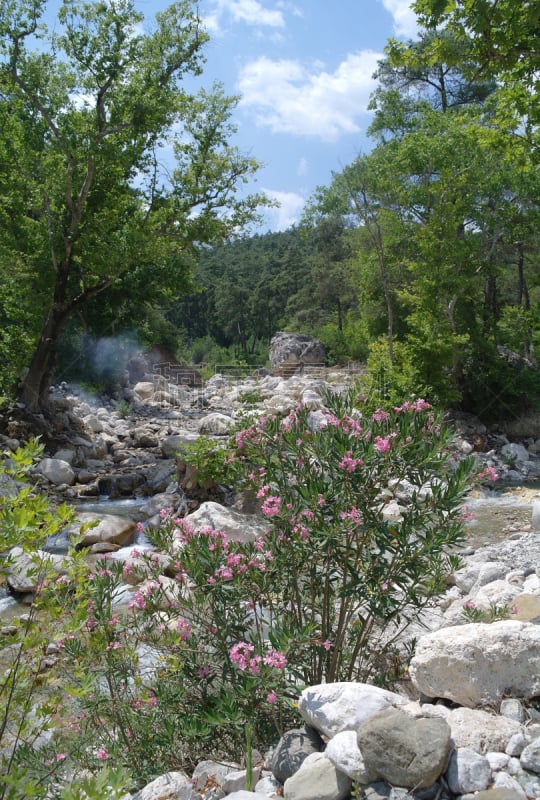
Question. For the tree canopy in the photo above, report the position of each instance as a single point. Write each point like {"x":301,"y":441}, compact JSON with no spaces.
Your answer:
{"x":86,"y":113}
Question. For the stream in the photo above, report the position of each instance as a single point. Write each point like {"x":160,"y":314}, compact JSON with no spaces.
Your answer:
{"x":496,"y":514}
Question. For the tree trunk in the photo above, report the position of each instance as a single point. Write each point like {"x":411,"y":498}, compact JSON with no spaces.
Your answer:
{"x":35,"y":392}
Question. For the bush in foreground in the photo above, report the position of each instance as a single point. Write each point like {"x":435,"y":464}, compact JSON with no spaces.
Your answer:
{"x":209,"y":652}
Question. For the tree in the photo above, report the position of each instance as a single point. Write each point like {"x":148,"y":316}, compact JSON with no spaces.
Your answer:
{"x":503,"y":41}
{"x":437,"y":68}
{"x":88,"y":111}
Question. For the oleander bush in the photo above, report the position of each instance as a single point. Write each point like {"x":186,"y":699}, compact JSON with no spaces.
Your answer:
{"x":205,"y":655}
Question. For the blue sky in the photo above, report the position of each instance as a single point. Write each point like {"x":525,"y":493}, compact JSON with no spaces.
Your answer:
{"x":303,"y":71}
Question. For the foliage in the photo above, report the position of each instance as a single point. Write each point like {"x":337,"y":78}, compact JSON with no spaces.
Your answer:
{"x":499,"y":386}
{"x":28,"y":692}
{"x":89,"y":211}
{"x":207,"y":651}
{"x":474,"y":613}
{"x":208,"y":459}
{"x":502,"y":36}
{"x":352,"y":574}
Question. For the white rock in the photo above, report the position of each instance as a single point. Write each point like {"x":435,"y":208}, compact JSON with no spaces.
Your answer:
{"x":497,"y":761}
{"x":392,"y":512}
{"x":144,"y":389}
{"x":216,"y":424}
{"x":512,"y":708}
{"x":532,"y":583}
{"x":93,"y":423}
{"x":236,"y":781}
{"x":65,"y":454}
{"x":317,"y":780}
{"x":345,"y":755}
{"x":480,"y":731}
{"x":268,"y":786}
{"x":468,"y":771}
{"x":515,"y":452}
{"x":237,"y":526}
{"x":311,"y":399}
{"x":497,"y":593}
{"x":430,"y":710}
{"x":26,"y":570}
{"x":505,"y":781}
{"x":335,"y":707}
{"x":514,"y":766}
{"x":110,"y":529}
{"x":516,"y":744}
{"x":475,"y":575}
{"x":479,"y":663}
{"x":530,"y":757}
{"x":56,"y":471}
{"x":172,"y":784}
{"x":536,"y":516}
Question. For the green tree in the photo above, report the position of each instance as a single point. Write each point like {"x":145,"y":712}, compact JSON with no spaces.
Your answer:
{"x":502,"y":38}
{"x":88,"y":108}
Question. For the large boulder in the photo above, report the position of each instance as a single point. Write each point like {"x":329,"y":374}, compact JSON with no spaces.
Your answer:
{"x":292,"y":750}
{"x":57,"y":471}
{"x":478,"y":664}
{"x":239,"y":527}
{"x":27,"y":570}
{"x":290,"y":351}
{"x":110,"y":530}
{"x":334,"y":707}
{"x":405,"y":751}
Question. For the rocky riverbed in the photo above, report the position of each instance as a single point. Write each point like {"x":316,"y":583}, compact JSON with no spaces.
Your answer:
{"x":465,"y":722}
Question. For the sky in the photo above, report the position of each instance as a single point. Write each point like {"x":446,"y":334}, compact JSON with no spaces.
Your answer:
{"x":303,"y":71}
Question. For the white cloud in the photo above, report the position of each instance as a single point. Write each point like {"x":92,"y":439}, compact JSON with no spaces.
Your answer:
{"x":289,"y":99}
{"x":303,"y":167}
{"x":289,"y":211}
{"x":404,"y":17}
{"x":252,"y":12}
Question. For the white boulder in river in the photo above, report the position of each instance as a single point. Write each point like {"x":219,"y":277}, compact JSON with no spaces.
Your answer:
{"x":478,"y":664}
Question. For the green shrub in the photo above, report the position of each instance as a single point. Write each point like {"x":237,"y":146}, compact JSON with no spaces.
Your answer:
{"x":28,"y":690}
{"x":220,"y":637}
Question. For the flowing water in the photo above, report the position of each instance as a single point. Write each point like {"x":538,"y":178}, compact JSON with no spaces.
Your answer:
{"x":496,"y":513}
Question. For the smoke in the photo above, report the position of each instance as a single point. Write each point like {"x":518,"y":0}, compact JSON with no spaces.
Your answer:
{"x":108,"y":357}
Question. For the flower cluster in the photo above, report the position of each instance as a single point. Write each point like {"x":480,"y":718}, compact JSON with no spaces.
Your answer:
{"x":242,"y":654}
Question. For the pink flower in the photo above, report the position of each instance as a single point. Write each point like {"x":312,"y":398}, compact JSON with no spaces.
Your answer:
{"x":382,"y":444}
{"x":421,"y":405}
{"x":348,"y":463}
{"x":271,"y":506}
{"x":61,"y":757}
{"x":275,"y":658}
{"x":327,"y":645}
{"x":184,"y":629}
{"x":102,"y":754}
{"x":225,"y":573}
{"x":271,"y":698}
{"x":490,"y":473}
{"x":353,"y":514}
{"x":381,"y":416}
{"x":240,"y":654}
